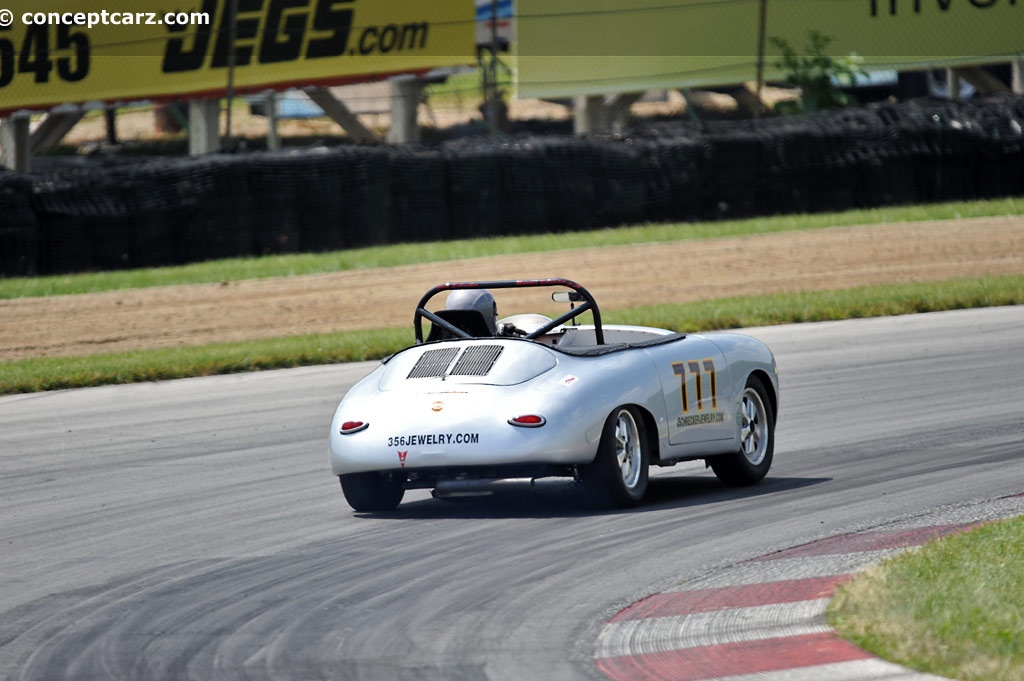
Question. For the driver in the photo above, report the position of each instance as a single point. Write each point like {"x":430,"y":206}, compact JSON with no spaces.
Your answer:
{"x":480,"y":300}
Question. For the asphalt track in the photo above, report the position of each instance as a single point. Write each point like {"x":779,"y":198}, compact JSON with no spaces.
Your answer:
{"x":191,"y":529}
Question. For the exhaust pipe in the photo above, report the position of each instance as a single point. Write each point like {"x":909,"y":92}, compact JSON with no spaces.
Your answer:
{"x":450,"y":489}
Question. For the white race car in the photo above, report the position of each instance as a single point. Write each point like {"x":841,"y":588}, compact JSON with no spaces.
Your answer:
{"x":478,"y":401}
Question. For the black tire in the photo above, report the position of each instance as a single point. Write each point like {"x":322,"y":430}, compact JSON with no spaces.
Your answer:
{"x":750,"y":463}
{"x":373,"y":491}
{"x":618,"y":475}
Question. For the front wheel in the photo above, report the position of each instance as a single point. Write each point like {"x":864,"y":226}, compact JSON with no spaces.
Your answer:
{"x":373,"y":491}
{"x":618,"y":475}
{"x":757,"y":439}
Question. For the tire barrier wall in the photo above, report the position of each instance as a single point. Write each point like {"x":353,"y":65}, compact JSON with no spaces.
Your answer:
{"x":98,"y":214}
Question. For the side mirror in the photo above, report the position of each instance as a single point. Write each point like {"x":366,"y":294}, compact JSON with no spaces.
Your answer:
{"x":567,"y":297}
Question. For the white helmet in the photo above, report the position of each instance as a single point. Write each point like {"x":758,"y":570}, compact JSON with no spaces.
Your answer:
{"x":478,"y":299}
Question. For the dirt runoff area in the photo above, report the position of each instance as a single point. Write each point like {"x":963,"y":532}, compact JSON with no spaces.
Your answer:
{"x":620,"y":277}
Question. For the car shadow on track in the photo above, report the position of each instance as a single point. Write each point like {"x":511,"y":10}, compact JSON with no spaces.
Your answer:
{"x":561,"y":499}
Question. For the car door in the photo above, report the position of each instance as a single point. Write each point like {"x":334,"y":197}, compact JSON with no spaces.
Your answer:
{"x":695,"y":385}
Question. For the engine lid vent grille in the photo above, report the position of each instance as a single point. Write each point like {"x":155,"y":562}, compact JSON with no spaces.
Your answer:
{"x":433,"y":363}
{"x":476,"y":360}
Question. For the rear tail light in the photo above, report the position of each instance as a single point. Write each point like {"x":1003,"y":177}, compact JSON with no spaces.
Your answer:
{"x":349,"y":427}
{"x":528,"y":421}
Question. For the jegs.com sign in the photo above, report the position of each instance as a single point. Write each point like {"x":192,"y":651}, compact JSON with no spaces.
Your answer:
{"x":67,"y":51}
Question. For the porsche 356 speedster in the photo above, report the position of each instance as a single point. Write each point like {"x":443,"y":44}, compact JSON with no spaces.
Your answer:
{"x":478,"y":400}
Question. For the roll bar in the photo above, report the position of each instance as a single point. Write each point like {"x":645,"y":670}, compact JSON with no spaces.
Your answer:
{"x":582,"y":295}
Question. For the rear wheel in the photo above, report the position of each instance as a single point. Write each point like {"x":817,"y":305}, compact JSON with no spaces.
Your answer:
{"x":757,"y":439}
{"x":372,"y":491}
{"x":618,"y":475}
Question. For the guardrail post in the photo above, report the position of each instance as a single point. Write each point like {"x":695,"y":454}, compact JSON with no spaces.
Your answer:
{"x":589,"y":115}
{"x":15,"y":143}
{"x":405,"y":103}
{"x":203,"y":127}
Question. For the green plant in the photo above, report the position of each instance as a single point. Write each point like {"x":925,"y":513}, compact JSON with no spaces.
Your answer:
{"x":818,"y":75}
{"x":955,"y":607}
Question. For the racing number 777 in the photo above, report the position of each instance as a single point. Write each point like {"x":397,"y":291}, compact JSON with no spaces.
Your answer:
{"x":699,"y":369}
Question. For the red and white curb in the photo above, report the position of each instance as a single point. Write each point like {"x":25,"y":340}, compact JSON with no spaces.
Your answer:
{"x":765,"y":618}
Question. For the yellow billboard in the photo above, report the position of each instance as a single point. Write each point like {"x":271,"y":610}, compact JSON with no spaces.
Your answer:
{"x":62,"y":51}
{"x":572,"y":47}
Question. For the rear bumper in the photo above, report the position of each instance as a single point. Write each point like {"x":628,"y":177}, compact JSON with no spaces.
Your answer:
{"x":523,"y":450}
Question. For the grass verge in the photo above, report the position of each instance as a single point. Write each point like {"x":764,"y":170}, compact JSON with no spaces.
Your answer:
{"x":954,"y":608}
{"x":56,"y":373}
{"x":53,"y":373}
{"x":408,"y":254}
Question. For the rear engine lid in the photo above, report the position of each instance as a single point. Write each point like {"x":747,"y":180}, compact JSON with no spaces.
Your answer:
{"x":484,"y":361}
